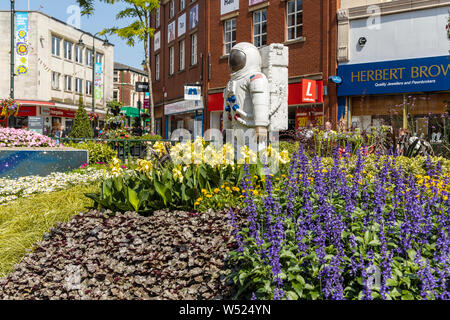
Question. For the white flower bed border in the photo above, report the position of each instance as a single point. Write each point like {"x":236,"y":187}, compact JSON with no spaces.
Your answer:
{"x":12,"y":189}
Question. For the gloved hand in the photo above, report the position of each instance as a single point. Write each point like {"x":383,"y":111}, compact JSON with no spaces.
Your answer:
{"x":261,"y":132}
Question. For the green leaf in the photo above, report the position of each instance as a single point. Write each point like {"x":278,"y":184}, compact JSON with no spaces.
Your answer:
{"x":391,"y":282}
{"x":407,"y":295}
{"x":291,"y":295}
{"x":133,"y":198}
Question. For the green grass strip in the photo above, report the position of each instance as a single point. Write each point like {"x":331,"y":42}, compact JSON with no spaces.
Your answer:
{"x":24,"y":221}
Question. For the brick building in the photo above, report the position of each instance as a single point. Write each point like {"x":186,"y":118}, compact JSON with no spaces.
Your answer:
{"x":178,"y":58}
{"x":308,"y":28}
{"x":125,"y":78}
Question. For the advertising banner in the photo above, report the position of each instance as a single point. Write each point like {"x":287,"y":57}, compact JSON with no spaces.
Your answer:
{"x":157,"y":41}
{"x":147,"y":100}
{"x":171,"y":32}
{"x":193,"y":17}
{"x":192,"y":93}
{"x":98,"y":81}
{"x":182,"y":24}
{"x":227,"y":6}
{"x":22,"y":47}
{"x":398,"y":76}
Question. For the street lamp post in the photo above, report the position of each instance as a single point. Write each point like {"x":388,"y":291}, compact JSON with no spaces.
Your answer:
{"x":11,"y":93}
{"x":93,"y":60}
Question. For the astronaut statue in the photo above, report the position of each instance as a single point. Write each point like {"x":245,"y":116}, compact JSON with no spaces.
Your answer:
{"x":256,"y":95}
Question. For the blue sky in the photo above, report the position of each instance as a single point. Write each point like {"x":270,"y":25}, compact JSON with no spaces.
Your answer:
{"x":104,"y":16}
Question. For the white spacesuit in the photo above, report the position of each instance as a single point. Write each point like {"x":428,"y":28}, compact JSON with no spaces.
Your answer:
{"x":247,"y":95}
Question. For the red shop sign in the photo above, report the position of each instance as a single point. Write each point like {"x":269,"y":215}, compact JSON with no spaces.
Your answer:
{"x":26,"y":111}
{"x":309,"y":93}
{"x":62,"y":113}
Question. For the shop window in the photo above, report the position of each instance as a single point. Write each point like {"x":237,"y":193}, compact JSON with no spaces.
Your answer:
{"x":193,"y":49}
{"x":260,"y":28}
{"x":68,"y":50}
{"x":229,"y":35}
{"x":56,"y":42}
{"x":294,"y":14}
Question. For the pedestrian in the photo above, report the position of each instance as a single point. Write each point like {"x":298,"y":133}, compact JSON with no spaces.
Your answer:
{"x":58,"y":133}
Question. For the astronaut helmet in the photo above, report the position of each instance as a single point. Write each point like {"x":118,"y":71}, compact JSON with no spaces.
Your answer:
{"x":244,"y":60}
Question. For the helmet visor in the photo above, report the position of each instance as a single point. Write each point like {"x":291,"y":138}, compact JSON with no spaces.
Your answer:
{"x":236,"y":60}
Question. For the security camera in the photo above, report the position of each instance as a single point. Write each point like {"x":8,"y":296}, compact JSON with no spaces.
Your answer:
{"x":362,"y":41}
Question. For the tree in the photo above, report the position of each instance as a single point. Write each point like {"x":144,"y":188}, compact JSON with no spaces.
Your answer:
{"x":81,"y":125}
{"x":139,"y":29}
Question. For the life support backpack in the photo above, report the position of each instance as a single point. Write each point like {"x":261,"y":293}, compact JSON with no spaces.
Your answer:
{"x":274,"y":63}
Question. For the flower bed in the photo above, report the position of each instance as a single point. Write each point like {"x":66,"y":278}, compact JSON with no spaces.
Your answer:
{"x":170,"y":255}
{"x":335,"y":234}
{"x":27,"y":186}
{"x":10,"y":137}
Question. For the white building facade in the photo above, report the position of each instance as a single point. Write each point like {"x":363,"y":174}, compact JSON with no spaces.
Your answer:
{"x":59,"y":70}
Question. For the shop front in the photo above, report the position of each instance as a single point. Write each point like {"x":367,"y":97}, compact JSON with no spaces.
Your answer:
{"x":305,"y":103}
{"x":57,"y":117}
{"x":185,"y":114}
{"x":409,"y":94}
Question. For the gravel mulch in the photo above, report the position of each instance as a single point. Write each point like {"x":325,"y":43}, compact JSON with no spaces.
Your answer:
{"x":169,"y":256}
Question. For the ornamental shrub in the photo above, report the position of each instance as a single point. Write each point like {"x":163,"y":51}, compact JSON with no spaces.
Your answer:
{"x":98,"y":152}
{"x":82,"y":127}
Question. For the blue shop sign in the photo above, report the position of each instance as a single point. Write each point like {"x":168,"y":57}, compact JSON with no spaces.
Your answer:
{"x":399,"y":76}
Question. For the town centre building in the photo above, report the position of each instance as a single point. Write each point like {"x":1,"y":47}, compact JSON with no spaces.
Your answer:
{"x":397,"y":72}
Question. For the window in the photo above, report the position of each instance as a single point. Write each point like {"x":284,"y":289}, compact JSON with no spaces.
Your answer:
{"x":260,"y":28}
{"x":89,"y":57}
{"x":157,"y":67}
{"x":182,"y":4}
{"x":98,"y":58}
{"x":158,"y":17}
{"x":68,"y":49}
{"x":171,"y":60}
{"x":116,"y":76}
{"x":294,"y":19}
{"x":56,"y":42}
{"x":78,"y":85}
{"x":68,"y":83}
{"x":193,"y":49}
{"x":88,"y":87}
{"x":182,"y":55}
{"x":229,"y":35}
{"x":115,"y":95}
{"x":55,"y":80}
{"x":78,"y":54}
{"x":172,"y":9}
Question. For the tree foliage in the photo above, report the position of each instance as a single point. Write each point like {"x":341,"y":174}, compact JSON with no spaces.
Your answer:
{"x":137,"y":31}
{"x":81,"y":126}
